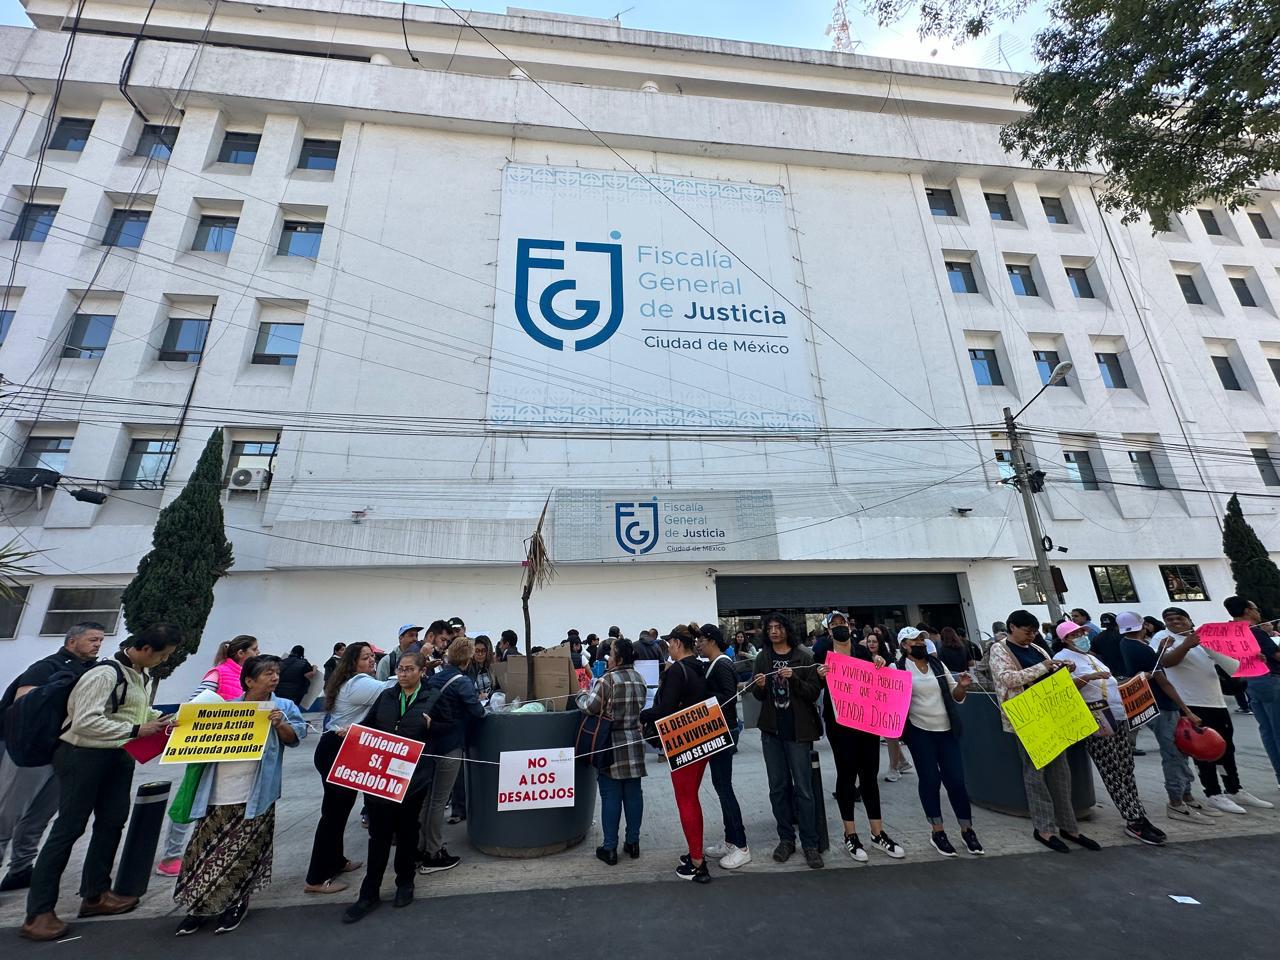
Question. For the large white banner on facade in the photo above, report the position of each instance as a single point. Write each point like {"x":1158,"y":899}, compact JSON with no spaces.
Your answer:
{"x":614,"y":307}
{"x":604,"y":525}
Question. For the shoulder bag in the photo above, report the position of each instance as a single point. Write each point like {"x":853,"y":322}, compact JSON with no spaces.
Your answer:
{"x":594,"y":741}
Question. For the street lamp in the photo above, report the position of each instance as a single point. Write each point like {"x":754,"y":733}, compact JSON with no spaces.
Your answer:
{"x":1022,"y":479}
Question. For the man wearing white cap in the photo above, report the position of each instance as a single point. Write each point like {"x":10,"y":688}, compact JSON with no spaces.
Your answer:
{"x":408,"y":643}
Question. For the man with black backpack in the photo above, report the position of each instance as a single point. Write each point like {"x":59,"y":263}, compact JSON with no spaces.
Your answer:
{"x":29,"y":794}
{"x":109,"y":705}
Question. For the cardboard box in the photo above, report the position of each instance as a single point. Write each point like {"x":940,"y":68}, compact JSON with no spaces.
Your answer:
{"x":511,"y":675}
{"x":555,"y":682}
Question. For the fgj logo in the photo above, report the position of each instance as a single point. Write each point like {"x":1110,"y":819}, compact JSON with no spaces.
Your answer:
{"x":635,"y":525}
{"x":527,"y":260}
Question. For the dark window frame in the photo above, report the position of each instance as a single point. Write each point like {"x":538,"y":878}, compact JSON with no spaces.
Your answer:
{"x":240,"y":449}
{"x":1050,"y":215}
{"x":1080,"y":467}
{"x":83,"y":322}
{"x":1030,"y":590}
{"x":171,"y":349}
{"x":65,"y":139}
{"x":118,"y":228}
{"x":1266,"y":464}
{"x":998,"y":205}
{"x":33,"y":456}
{"x":948,"y":206}
{"x":1187,"y":577}
{"x":58,"y":618}
{"x":1081,"y":285}
{"x":313,"y":154}
{"x":236,"y":142}
{"x":156,"y":141}
{"x":1111,"y":369}
{"x":1022,"y":274}
{"x":963,"y":270}
{"x":292,"y":229}
{"x":213,"y":225}
{"x":6,"y":324}
{"x":11,"y":611}
{"x":32,"y":225}
{"x":987,"y":359}
{"x":260,"y":354}
{"x":1209,"y":220}
{"x":1148,"y":472}
{"x":1226,"y":371}
{"x":1103,"y":572}
{"x":1190,"y":289}
{"x":1244,"y":294}
{"x":1260,"y":225}
{"x":1045,"y":367}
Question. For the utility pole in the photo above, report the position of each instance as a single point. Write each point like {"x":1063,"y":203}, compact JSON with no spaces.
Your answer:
{"x":1022,"y":479}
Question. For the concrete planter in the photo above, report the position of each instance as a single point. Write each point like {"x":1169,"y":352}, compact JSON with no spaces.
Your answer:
{"x":525,"y":833}
{"x":993,"y":769}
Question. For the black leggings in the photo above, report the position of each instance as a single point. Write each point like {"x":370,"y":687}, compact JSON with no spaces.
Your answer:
{"x":327,"y":856}
{"x":857,"y":766}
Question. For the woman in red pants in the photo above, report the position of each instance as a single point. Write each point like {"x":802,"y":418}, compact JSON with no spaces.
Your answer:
{"x":683,"y":685}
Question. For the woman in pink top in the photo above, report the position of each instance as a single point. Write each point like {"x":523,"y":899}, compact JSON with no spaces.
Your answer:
{"x":224,"y":678}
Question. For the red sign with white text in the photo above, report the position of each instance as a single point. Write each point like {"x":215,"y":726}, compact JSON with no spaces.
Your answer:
{"x":379,"y":764}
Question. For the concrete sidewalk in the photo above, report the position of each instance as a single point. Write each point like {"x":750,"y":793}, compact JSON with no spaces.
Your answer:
{"x":662,"y":841}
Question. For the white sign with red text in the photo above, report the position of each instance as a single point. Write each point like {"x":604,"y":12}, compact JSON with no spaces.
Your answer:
{"x":533,"y":779}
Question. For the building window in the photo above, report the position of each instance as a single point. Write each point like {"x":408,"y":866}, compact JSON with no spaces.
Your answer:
{"x":998,"y":206}
{"x":941,"y":202}
{"x":1080,"y":469}
{"x":250,"y":455}
{"x":1210,"y":223}
{"x":146,"y":464}
{"x":300,"y":239}
{"x":71,"y":605}
{"x":1030,"y":590}
{"x":1054,"y":211}
{"x":1046,"y":362}
{"x":239,"y":148}
{"x":184,"y":339}
{"x":986,"y":368}
{"x":71,"y":134}
{"x":1226,"y":373}
{"x":1112,"y":372}
{"x":6,"y":321}
{"x":1190,"y":292}
{"x":1273,"y":362}
{"x":1020,"y":278}
{"x":960,"y":276}
{"x":1183,"y":581}
{"x":1004,"y":463}
{"x":34,"y":222}
{"x":215,"y":234}
{"x":156,"y":141}
{"x":88,"y":336}
{"x":11,"y":611}
{"x":278,"y":344}
{"x":1078,"y":278}
{"x":1266,"y":466}
{"x":1241,"y":287}
{"x":1260,"y":225}
{"x":1145,"y":468}
{"x":48,"y":453}
{"x":126,"y":227}
{"x":1113,"y":583}
{"x":319,"y":155}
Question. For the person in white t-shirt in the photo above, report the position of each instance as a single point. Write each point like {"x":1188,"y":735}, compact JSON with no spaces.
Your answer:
{"x":1109,"y":748}
{"x":1190,"y":668}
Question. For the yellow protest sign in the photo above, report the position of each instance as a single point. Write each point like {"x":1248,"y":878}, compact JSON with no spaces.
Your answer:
{"x":213,"y":732}
{"x":1049,"y":717}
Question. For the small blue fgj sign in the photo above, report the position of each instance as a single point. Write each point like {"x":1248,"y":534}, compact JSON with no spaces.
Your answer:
{"x":635,"y":526}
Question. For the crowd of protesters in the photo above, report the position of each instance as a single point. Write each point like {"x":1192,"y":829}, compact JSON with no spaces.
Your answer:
{"x":434,"y":687}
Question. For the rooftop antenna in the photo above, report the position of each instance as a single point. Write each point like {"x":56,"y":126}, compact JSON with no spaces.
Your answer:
{"x":1002,"y":47}
{"x":618,"y":16}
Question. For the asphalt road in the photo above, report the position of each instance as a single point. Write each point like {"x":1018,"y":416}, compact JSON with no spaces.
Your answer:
{"x":1115,"y":903}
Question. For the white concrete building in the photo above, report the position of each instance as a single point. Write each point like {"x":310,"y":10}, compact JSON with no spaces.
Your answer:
{"x":315,"y":237}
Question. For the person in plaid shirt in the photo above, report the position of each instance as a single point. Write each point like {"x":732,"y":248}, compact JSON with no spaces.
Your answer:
{"x":620,"y":695}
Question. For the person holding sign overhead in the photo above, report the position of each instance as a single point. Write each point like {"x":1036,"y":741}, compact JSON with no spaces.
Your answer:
{"x":1017,"y":663}
{"x":684,"y":685}
{"x":1109,"y":748}
{"x":229,"y":857}
{"x":405,"y":710}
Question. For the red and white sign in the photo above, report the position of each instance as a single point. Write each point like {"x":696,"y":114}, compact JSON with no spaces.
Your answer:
{"x":379,"y":764}
{"x":533,"y":779}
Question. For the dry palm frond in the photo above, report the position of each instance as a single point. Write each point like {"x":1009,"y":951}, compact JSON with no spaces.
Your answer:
{"x":12,"y":566}
{"x":539,"y":569}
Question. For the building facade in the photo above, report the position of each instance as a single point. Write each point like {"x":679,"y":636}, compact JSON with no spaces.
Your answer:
{"x":743,"y":318}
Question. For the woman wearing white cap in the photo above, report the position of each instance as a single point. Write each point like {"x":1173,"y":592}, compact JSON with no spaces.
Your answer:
{"x":1109,"y":748}
{"x":899,"y":764}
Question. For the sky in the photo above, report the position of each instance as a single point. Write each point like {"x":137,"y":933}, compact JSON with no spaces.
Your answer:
{"x":795,"y":23}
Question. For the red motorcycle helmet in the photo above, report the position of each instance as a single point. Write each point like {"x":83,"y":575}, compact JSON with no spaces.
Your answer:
{"x":1203,"y":744}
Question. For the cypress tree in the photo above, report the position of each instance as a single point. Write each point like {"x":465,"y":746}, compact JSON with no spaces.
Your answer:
{"x":189,"y":553}
{"x":1255,"y":573}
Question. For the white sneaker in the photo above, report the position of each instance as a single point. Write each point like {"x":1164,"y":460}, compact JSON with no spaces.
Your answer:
{"x":716,"y":851}
{"x":736,"y":857}
{"x":1202,"y":808}
{"x":1224,"y":803}
{"x":1247,"y":799}
{"x":905,"y":767}
{"x":893,"y":776}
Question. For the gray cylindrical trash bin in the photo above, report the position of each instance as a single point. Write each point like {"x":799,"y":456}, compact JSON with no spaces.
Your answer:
{"x":525,"y":833}
{"x":993,"y":768}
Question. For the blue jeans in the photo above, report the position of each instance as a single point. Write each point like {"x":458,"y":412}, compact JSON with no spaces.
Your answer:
{"x":1264,"y":699}
{"x":938,"y":762}
{"x":722,"y":779}
{"x":786,"y":762}
{"x":615,"y":795}
{"x":1177,"y":769}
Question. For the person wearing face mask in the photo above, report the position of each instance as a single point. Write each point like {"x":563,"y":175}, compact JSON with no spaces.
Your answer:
{"x":932,"y":734}
{"x":857,"y":753}
{"x":1109,"y":748}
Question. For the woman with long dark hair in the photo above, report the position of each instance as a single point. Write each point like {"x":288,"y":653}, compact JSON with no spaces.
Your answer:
{"x":349,"y":693}
{"x":230,"y":856}
{"x":953,"y":651}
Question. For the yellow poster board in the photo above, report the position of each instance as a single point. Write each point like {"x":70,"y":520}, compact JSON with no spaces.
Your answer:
{"x":1049,"y":717}
{"x":214,"y":732}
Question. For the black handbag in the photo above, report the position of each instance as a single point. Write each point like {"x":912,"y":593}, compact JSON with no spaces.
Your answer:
{"x":594,"y":741}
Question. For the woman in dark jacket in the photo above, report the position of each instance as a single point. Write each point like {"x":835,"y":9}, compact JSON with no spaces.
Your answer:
{"x":404,"y":711}
{"x":722,"y":681}
{"x":684,"y":684}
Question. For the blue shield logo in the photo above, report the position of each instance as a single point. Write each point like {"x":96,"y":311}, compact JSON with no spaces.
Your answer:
{"x":635,"y":526}
{"x":527,"y":259}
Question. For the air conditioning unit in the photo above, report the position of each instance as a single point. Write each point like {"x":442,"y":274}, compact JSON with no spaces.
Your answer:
{"x":29,"y":478}
{"x":249,"y":478}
